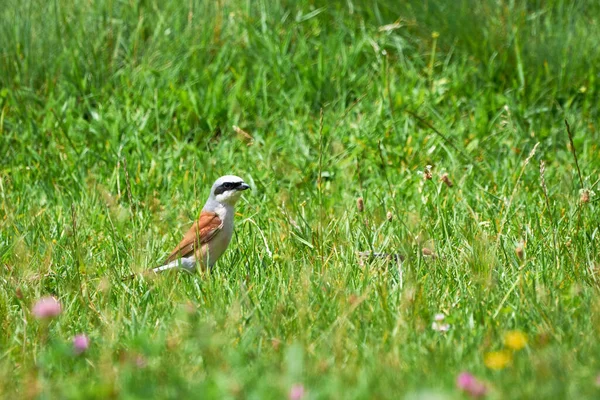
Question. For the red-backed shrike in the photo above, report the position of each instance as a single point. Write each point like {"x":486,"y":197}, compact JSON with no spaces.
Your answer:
{"x":210,"y":235}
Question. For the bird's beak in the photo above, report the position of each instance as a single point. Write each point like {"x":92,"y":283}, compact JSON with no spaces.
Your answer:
{"x":243,"y":186}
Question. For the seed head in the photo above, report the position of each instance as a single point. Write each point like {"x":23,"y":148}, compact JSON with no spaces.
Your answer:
{"x":428,"y":252}
{"x":275,"y":343}
{"x":427,"y":173}
{"x":520,"y":252}
{"x":360,"y":204}
{"x":584,"y":196}
{"x":446,"y":180}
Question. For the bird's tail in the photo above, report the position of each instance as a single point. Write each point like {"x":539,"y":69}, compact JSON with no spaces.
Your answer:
{"x":185,"y":263}
{"x":168,"y":266}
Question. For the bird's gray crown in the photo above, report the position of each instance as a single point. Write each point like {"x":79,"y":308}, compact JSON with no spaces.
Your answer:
{"x":226,"y":183}
{"x":225,"y":191}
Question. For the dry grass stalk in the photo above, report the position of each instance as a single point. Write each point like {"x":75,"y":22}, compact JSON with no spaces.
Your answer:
{"x":512,"y":196}
{"x":574,"y":152}
{"x":543,"y":182}
{"x":246,"y":137}
{"x":128,"y":185}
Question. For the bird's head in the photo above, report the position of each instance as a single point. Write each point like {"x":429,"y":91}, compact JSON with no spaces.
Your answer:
{"x":228,"y":189}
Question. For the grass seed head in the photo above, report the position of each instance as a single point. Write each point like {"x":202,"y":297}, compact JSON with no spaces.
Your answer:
{"x":446,"y":180}
{"x":427,"y":174}
{"x":360,"y":204}
{"x":584,"y":196}
{"x":428,"y":252}
{"x":543,"y":175}
{"x":276,"y":344}
{"x":520,"y":251}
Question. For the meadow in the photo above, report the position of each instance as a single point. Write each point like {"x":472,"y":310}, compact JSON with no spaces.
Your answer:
{"x":446,"y":120}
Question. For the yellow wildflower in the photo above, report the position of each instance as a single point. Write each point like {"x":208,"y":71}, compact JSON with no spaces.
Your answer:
{"x":497,"y":359}
{"x":515,"y":340}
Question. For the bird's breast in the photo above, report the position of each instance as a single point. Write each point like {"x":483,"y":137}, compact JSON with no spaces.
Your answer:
{"x":215,"y":248}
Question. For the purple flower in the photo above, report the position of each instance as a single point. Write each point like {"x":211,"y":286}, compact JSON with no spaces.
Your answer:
{"x":436,"y":326}
{"x":439,"y":325}
{"x":471,"y":385}
{"x":297,"y":392}
{"x":140,"y":361}
{"x":464,"y":380}
{"x":80,"y":343}
{"x":46,"y":307}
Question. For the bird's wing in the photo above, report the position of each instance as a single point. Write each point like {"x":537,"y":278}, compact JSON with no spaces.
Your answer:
{"x":203,"y":230}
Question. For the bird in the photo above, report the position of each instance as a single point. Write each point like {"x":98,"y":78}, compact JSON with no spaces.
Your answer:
{"x":208,"y":238}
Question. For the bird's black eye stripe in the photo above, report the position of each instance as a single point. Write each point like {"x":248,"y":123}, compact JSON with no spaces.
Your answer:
{"x":227,"y":186}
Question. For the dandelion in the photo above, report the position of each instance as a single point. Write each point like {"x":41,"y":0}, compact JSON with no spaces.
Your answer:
{"x":297,"y":392}
{"x":471,"y":385}
{"x":46,"y":307}
{"x":360,"y":204}
{"x":497,"y":360}
{"x":515,"y":340}
{"x":81,"y":343}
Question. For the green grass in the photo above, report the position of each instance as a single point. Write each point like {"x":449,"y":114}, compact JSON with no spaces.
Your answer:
{"x":467,"y":87}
